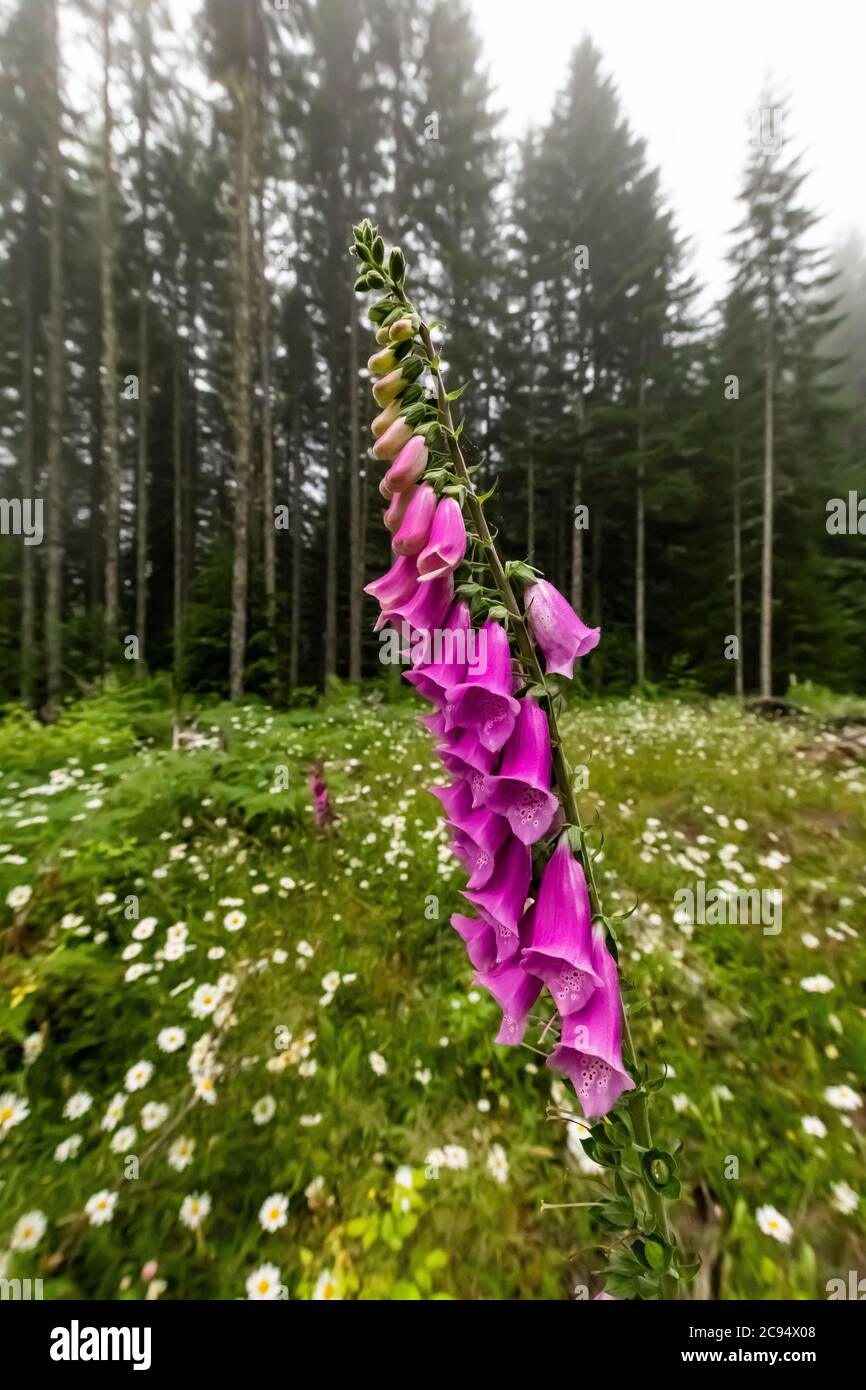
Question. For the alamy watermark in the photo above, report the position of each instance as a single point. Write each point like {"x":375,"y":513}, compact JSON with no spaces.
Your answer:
{"x":729,"y":906}
{"x":22,"y":517}
{"x":448,"y":646}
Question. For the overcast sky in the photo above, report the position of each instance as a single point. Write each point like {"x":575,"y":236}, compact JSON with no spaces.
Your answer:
{"x":689,"y":73}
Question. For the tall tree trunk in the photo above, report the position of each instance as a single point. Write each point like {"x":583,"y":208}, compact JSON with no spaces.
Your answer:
{"x":267,"y":423}
{"x":178,"y":516}
{"x":577,"y":500}
{"x":28,"y":474}
{"x":331,"y":576}
{"x":297,"y":536}
{"x":530,"y":424}
{"x":738,"y":573}
{"x":356,"y":566}
{"x":110,"y":423}
{"x":595,"y":595}
{"x":242,"y":364}
{"x":141,"y":500}
{"x":766,"y":660}
{"x":640,"y":547}
{"x":54,"y":374}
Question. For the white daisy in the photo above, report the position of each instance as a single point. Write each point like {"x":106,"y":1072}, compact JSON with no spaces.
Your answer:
{"x":20,"y":896}
{"x":456,"y":1157}
{"x":378,"y":1063}
{"x":67,"y":1148}
{"x":123,"y":1140}
{"x":28,"y":1231}
{"x":138,"y":1076}
{"x":263,"y":1110}
{"x":845,"y":1199}
{"x":812,"y":1125}
{"x":774,"y":1224}
{"x":114,"y":1114}
{"x":234,"y":920}
{"x":272,"y":1213}
{"x":153,"y":1115}
{"x":403,"y":1177}
{"x":264,"y":1283}
{"x":205,"y":1089}
{"x":194,"y":1209}
{"x":204,"y":1001}
{"x":13,"y":1110}
{"x":817,"y":984}
{"x":840,"y":1097}
{"x":77,"y":1105}
{"x":497,"y":1163}
{"x":326,"y":1287}
{"x":170,"y":1039}
{"x":180,"y":1154}
{"x":100,"y":1207}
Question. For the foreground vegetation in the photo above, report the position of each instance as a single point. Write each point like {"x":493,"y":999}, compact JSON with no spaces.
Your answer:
{"x":349,"y":1128}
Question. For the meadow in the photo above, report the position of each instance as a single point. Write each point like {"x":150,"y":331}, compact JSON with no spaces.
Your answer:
{"x":242,"y":1056}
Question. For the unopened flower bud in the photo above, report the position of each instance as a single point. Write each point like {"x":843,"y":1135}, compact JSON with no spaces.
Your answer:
{"x":382,"y":362}
{"x":386,"y":418}
{"x":389,"y":444}
{"x":403,"y":329}
{"x":388,"y":387}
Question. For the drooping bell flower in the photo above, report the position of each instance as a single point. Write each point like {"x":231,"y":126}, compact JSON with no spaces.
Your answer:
{"x":414,"y":529}
{"x":559,"y":632}
{"x":484,"y":702}
{"x":444,"y":663}
{"x":428,"y":609}
{"x":464,"y":756}
{"x":397,"y":585}
{"x":395,"y":438}
{"x":504,"y":899}
{"x":478,"y":833}
{"x":386,"y":418}
{"x":408,"y":467}
{"x":521,"y":790}
{"x":447,"y":544}
{"x":558,"y":946}
{"x":397,"y":509}
{"x":590,"y":1047}
{"x":479,"y":937}
{"x":515,"y":992}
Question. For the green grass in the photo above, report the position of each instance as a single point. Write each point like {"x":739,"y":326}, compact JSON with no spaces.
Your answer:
{"x":100,"y":805}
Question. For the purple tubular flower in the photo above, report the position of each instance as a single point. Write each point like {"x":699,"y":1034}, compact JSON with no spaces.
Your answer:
{"x":429,"y":607}
{"x":397,"y":508}
{"x":397,"y":586}
{"x":407,"y":468}
{"x":484,"y":701}
{"x":557,"y":629}
{"x":417,"y":520}
{"x":479,"y":836}
{"x":521,"y":790}
{"x":515,"y":992}
{"x":558,"y":945}
{"x":589,"y":1052}
{"x":443,"y":664}
{"x":504,"y":898}
{"x":464,"y":756}
{"x":447,"y":544}
{"x":480,"y":939}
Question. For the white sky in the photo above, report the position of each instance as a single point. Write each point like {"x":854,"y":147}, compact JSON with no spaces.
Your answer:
{"x":689,"y":74}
